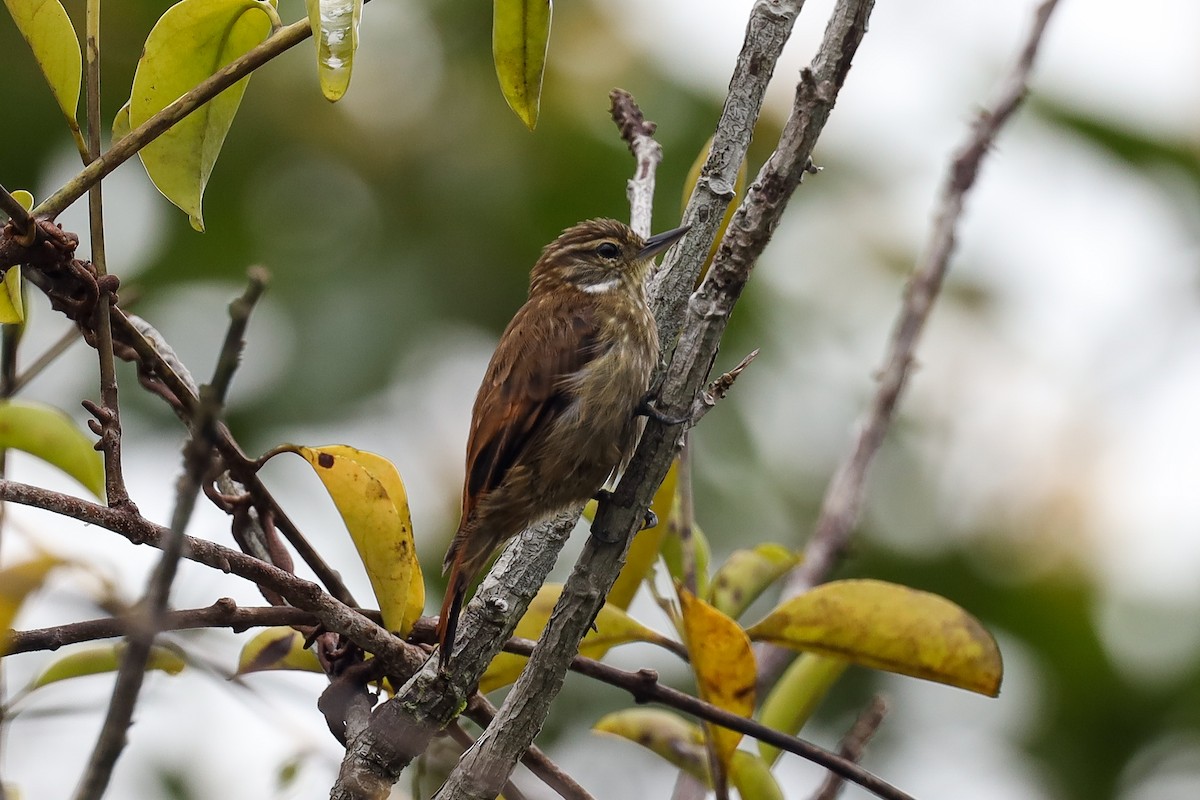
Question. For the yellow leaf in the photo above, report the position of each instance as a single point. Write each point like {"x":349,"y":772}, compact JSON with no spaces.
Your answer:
{"x":520,"y":35}
{"x":752,"y":777}
{"x":104,"y":658}
{"x":190,"y":42}
{"x":368,"y":493}
{"x":739,"y":189}
{"x":644,"y":550}
{"x":664,"y":733}
{"x":47,"y":29}
{"x":724,"y":665}
{"x":335,"y":30}
{"x":12,"y":305}
{"x":611,"y":628}
{"x":744,"y":576}
{"x":121,"y":127}
{"x":275,"y":649}
{"x":796,"y":695}
{"x":889,"y":627}
{"x":16,"y":583}
{"x":52,"y":436}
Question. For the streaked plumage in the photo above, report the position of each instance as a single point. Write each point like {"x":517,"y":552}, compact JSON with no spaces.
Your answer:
{"x":555,"y":414}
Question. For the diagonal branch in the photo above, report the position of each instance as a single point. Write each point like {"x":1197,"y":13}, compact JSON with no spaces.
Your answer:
{"x":843,"y":500}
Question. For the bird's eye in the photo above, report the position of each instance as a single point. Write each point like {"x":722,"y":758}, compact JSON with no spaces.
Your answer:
{"x":608,"y":250}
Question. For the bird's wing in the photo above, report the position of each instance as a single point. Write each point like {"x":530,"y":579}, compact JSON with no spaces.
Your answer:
{"x":522,"y":392}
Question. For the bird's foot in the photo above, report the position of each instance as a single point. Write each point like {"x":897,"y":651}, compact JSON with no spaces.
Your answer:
{"x":647,"y":408}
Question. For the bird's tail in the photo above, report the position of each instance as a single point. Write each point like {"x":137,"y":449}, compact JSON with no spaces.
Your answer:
{"x":447,"y":625}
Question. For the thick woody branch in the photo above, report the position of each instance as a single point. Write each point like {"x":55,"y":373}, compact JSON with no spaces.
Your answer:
{"x":482,"y":769}
{"x":843,"y":500}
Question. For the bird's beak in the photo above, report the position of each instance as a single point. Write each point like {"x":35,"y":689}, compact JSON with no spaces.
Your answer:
{"x":661,"y":241}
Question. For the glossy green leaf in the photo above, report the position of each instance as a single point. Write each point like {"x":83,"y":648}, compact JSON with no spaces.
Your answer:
{"x":796,"y":695}
{"x":104,"y":658}
{"x":335,"y":31}
{"x":190,"y":42}
{"x":368,"y":493}
{"x":52,"y":436}
{"x":664,"y":733}
{"x":47,"y":29}
{"x":17,"y":582}
{"x":520,"y":35}
{"x":744,"y":576}
{"x":889,"y":627}
{"x":279,"y":648}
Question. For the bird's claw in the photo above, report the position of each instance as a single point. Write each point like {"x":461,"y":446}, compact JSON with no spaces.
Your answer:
{"x":646,"y":408}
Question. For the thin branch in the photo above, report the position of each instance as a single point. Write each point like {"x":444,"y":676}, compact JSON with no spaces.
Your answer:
{"x":224,"y":613}
{"x":22,"y":220}
{"x":638,"y":133}
{"x":854,"y":744}
{"x":843,"y":500}
{"x":70,"y":337}
{"x":398,"y":657}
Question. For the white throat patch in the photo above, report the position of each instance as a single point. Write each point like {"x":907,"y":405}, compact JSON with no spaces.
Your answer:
{"x":601,"y":288}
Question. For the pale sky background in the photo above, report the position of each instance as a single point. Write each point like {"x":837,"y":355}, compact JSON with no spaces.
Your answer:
{"x":1094,"y":347}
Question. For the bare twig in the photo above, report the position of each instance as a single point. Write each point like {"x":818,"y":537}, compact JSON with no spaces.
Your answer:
{"x":638,"y":133}
{"x":44,"y":360}
{"x":842,"y":504}
{"x":854,"y":744}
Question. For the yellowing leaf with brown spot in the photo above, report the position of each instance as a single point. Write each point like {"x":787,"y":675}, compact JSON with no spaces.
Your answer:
{"x":724,"y":665}
{"x":643,"y":552}
{"x":889,"y":627}
{"x":520,"y":35}
{"x":612,"y":627}
{"x":277,"y":648}
{"x":368,"y":493}
{"x":746,"y":573}
{"x":679,"y":742}
{"x":17,"y":582}
{"x":104,"y":658}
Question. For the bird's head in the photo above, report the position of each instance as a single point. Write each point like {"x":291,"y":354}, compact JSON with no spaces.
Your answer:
{"x":599,"y":256}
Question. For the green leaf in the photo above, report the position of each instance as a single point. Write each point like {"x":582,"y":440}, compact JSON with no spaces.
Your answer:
{"x":672,"y":553}
{"x":104,"y":658}
{"x":752,"y":777}
{"x":796,"y":695}
{"x":335,"y":31}
{"x":52,"y":436}
{"x":889,"y":627}
{"x":121,"y":127}
{"x":744,"y":576}
{"x":12,"y":304}
{"x":520,"y":35}
{"x":48,"y":31}
{"x":190,"y":42}
{"x":368,"y":493}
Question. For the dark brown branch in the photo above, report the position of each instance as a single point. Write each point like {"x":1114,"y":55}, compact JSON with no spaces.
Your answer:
{"x":22,"y":220}
{"x":643,"y":685}
{"x":842,"y":504}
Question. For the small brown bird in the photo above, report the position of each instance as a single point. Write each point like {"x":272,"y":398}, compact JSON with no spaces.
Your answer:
{"x":555,"y":416}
